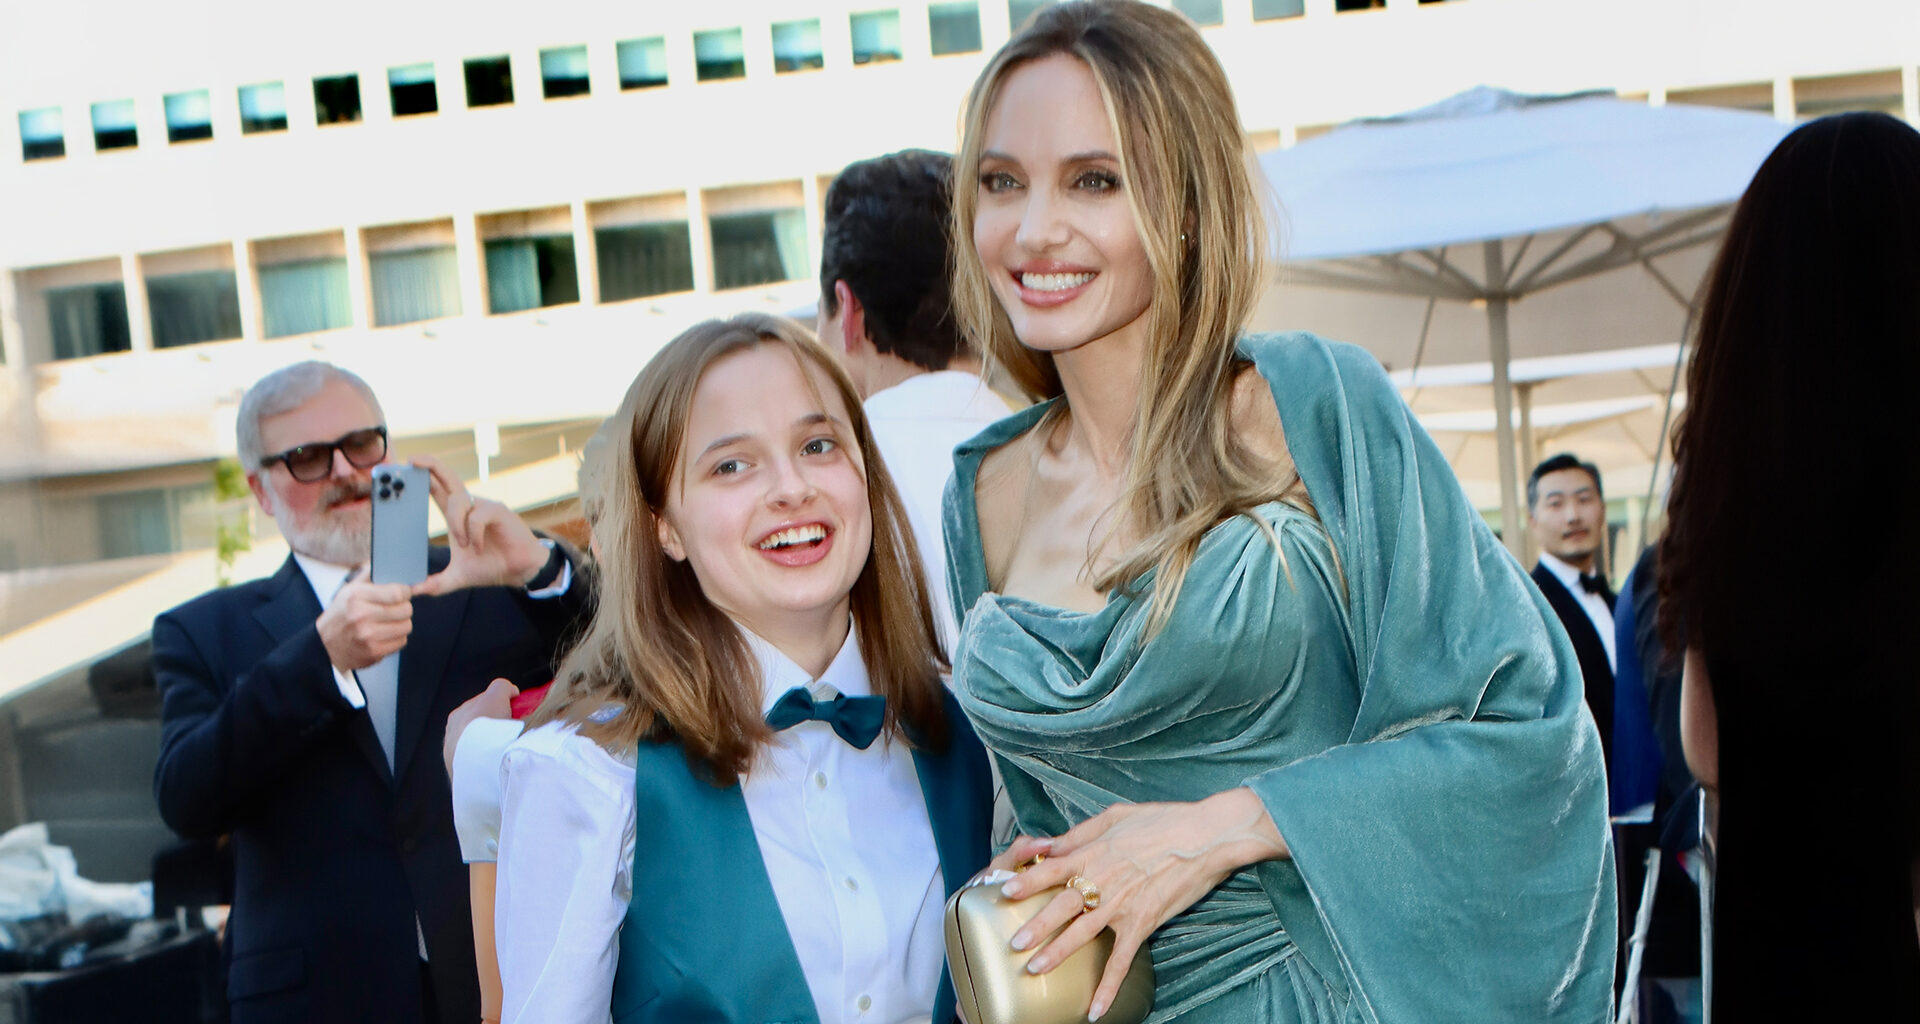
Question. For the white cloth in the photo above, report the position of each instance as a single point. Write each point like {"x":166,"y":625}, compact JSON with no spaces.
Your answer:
{"x":1593,"y":604}
{"x":843,"y":833}
{"x":476,"y":786}
{"x":916,"y":424}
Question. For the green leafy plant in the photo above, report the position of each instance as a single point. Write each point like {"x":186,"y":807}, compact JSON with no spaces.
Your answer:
{"x":233,"y":526}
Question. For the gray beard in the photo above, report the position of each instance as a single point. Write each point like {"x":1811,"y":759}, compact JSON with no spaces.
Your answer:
{"x":327,"y":539}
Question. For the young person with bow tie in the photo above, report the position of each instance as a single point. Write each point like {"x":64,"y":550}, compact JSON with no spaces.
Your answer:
{"x":748,"y":795}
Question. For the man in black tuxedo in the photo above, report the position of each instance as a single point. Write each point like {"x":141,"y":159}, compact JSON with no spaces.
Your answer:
{"x":286,"y":724}
{"x":1568,"y":516}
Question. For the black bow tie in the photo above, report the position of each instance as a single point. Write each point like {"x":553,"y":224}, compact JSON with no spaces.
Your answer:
{"x":1594,"y":583}
{"x":856,"y":719}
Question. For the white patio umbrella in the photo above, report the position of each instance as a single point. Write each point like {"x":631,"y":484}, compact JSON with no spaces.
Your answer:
{"x":1549,"y":189}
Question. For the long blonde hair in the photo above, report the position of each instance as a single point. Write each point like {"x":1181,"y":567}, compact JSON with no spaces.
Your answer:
{"x":677,"y":665}
{"x":1191,"y":188}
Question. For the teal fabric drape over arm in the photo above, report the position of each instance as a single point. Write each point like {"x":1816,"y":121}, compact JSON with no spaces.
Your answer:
{"x":1388,"y":681}
{"x":1463,"y":825}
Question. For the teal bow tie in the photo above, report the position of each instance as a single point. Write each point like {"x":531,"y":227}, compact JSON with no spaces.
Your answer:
{"x":856,"y":719}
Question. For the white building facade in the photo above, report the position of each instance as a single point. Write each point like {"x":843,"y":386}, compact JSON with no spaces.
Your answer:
{"x":497,"y":211}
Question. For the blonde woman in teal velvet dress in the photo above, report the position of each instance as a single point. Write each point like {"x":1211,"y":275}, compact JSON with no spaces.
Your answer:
{"x":1255,"y":672}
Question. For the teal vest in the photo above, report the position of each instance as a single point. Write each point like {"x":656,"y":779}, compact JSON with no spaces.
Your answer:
{"x":703,"y":939}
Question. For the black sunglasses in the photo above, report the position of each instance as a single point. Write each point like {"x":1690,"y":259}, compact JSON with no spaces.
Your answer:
{"x":310,"y":463}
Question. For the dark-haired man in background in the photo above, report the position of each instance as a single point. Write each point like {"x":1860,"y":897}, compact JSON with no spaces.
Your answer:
{"x":884,"y":307}
{"x":1567,"y":513}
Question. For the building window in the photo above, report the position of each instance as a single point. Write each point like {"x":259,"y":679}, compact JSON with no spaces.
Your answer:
{"x":796,"y":46}
{"x":42,"y":136}
{"x":876,"y":37}
{"x":644,"y":259}
{"x":410,"y":285}
{"x":1203,"y":12}
{"x":189,"y":116}
{"x":336,"y":100}
{"x":188,"y":309}
{"x":528,"y":273}
{"x":954,"y":28}
{"x":88,"y":320}
{"x":718,"y":55}
{"x":643,"y":63}
{"x":1269,"y":10}
{"x":263,"y":108}
{"x":305,"y":296}
{"x":563,"y":72}
{"x":113,"y":126}
{"x":759,"y":248}
{"x":1018,"y":11}
{"x":411,"y":88}
{"x":489,"y":81}
{"x":134,"y":523}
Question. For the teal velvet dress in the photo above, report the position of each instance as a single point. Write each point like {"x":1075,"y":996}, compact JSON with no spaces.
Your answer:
{"x":1387,"y":681}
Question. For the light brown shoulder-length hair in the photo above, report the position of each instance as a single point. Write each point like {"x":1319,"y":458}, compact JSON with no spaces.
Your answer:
{"x":1189,"y":181}
{"x":677,"y":665}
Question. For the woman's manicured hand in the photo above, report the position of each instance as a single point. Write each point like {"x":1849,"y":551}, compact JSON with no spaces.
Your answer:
{"x":1148,"y":862}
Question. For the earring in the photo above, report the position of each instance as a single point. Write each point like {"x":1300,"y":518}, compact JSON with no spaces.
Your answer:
{"x":1183,"y":238}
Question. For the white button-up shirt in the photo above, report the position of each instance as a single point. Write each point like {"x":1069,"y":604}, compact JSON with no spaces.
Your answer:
{"x":844,"y":835}
{"x":1593,"y":604}
{"x":916,"y":425}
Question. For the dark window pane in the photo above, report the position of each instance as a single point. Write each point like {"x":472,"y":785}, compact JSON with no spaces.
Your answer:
{"x":414,"y":284}
{"x":759,"y":248}
{"x":563,"y":72}
{"x":955,"y":28}
{"x":1203,"y":12}
{"x":412,"y":90}
{"x":645,"y":259}
{"x":719,"y":55}
{"x":89,"y":320}
{"x":113,"y":125}
{"x":1357,"y":5}
{"x":876,"y":36}
{"x":42,"y":135}
{"x":189,"y":116}
{"x":191,"y":308}
{"x":527,"y":273}
{"x":263,"y":108}
{"x":489,"y":81}
{"x":643,"y":63}
{"x":1267,"y":10}
{"x":336,"y":100}
{"x":796,"y":46}
{"x":1018,"y":11}
{"x":299,"y":298}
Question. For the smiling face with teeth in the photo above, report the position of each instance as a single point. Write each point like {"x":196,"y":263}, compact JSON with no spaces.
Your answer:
{"x":1053,"y":228}
{"x":769,"y":498}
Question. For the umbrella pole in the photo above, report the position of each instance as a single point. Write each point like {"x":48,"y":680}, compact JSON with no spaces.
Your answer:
{"x":1529,"y":454}
{"x":1512,"y":530}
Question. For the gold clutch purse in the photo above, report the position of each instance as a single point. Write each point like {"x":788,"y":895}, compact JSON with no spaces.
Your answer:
{"x":990,"y":978}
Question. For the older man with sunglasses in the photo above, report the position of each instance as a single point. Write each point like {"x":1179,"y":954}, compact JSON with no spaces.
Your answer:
{"x":288,"y":725}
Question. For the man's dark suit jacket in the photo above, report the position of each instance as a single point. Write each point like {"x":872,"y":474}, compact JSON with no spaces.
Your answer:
{"x":335,"y":854}
{"x":1594,"y":670}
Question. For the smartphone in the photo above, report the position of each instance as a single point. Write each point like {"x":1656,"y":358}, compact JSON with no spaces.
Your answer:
{"x":400,"y":497}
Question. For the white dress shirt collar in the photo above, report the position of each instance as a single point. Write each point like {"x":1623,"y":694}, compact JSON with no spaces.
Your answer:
{"x":325,"y":577}
{"x":847,"y":673}
{"x":1567,"y":574}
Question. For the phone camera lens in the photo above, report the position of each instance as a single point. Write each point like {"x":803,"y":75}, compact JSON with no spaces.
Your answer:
{"x":399,"y":485}
{"x":385,"y":494}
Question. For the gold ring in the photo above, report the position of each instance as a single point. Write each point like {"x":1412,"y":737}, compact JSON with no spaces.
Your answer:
{"x":1089,"y":892}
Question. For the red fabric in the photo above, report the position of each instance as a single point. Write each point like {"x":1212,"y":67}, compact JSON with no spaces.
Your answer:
{"x":524,"y":704}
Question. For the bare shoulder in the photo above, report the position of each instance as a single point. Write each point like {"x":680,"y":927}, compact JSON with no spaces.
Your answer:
{"x":1256,"y":425}
{"x":1256,"y":419}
